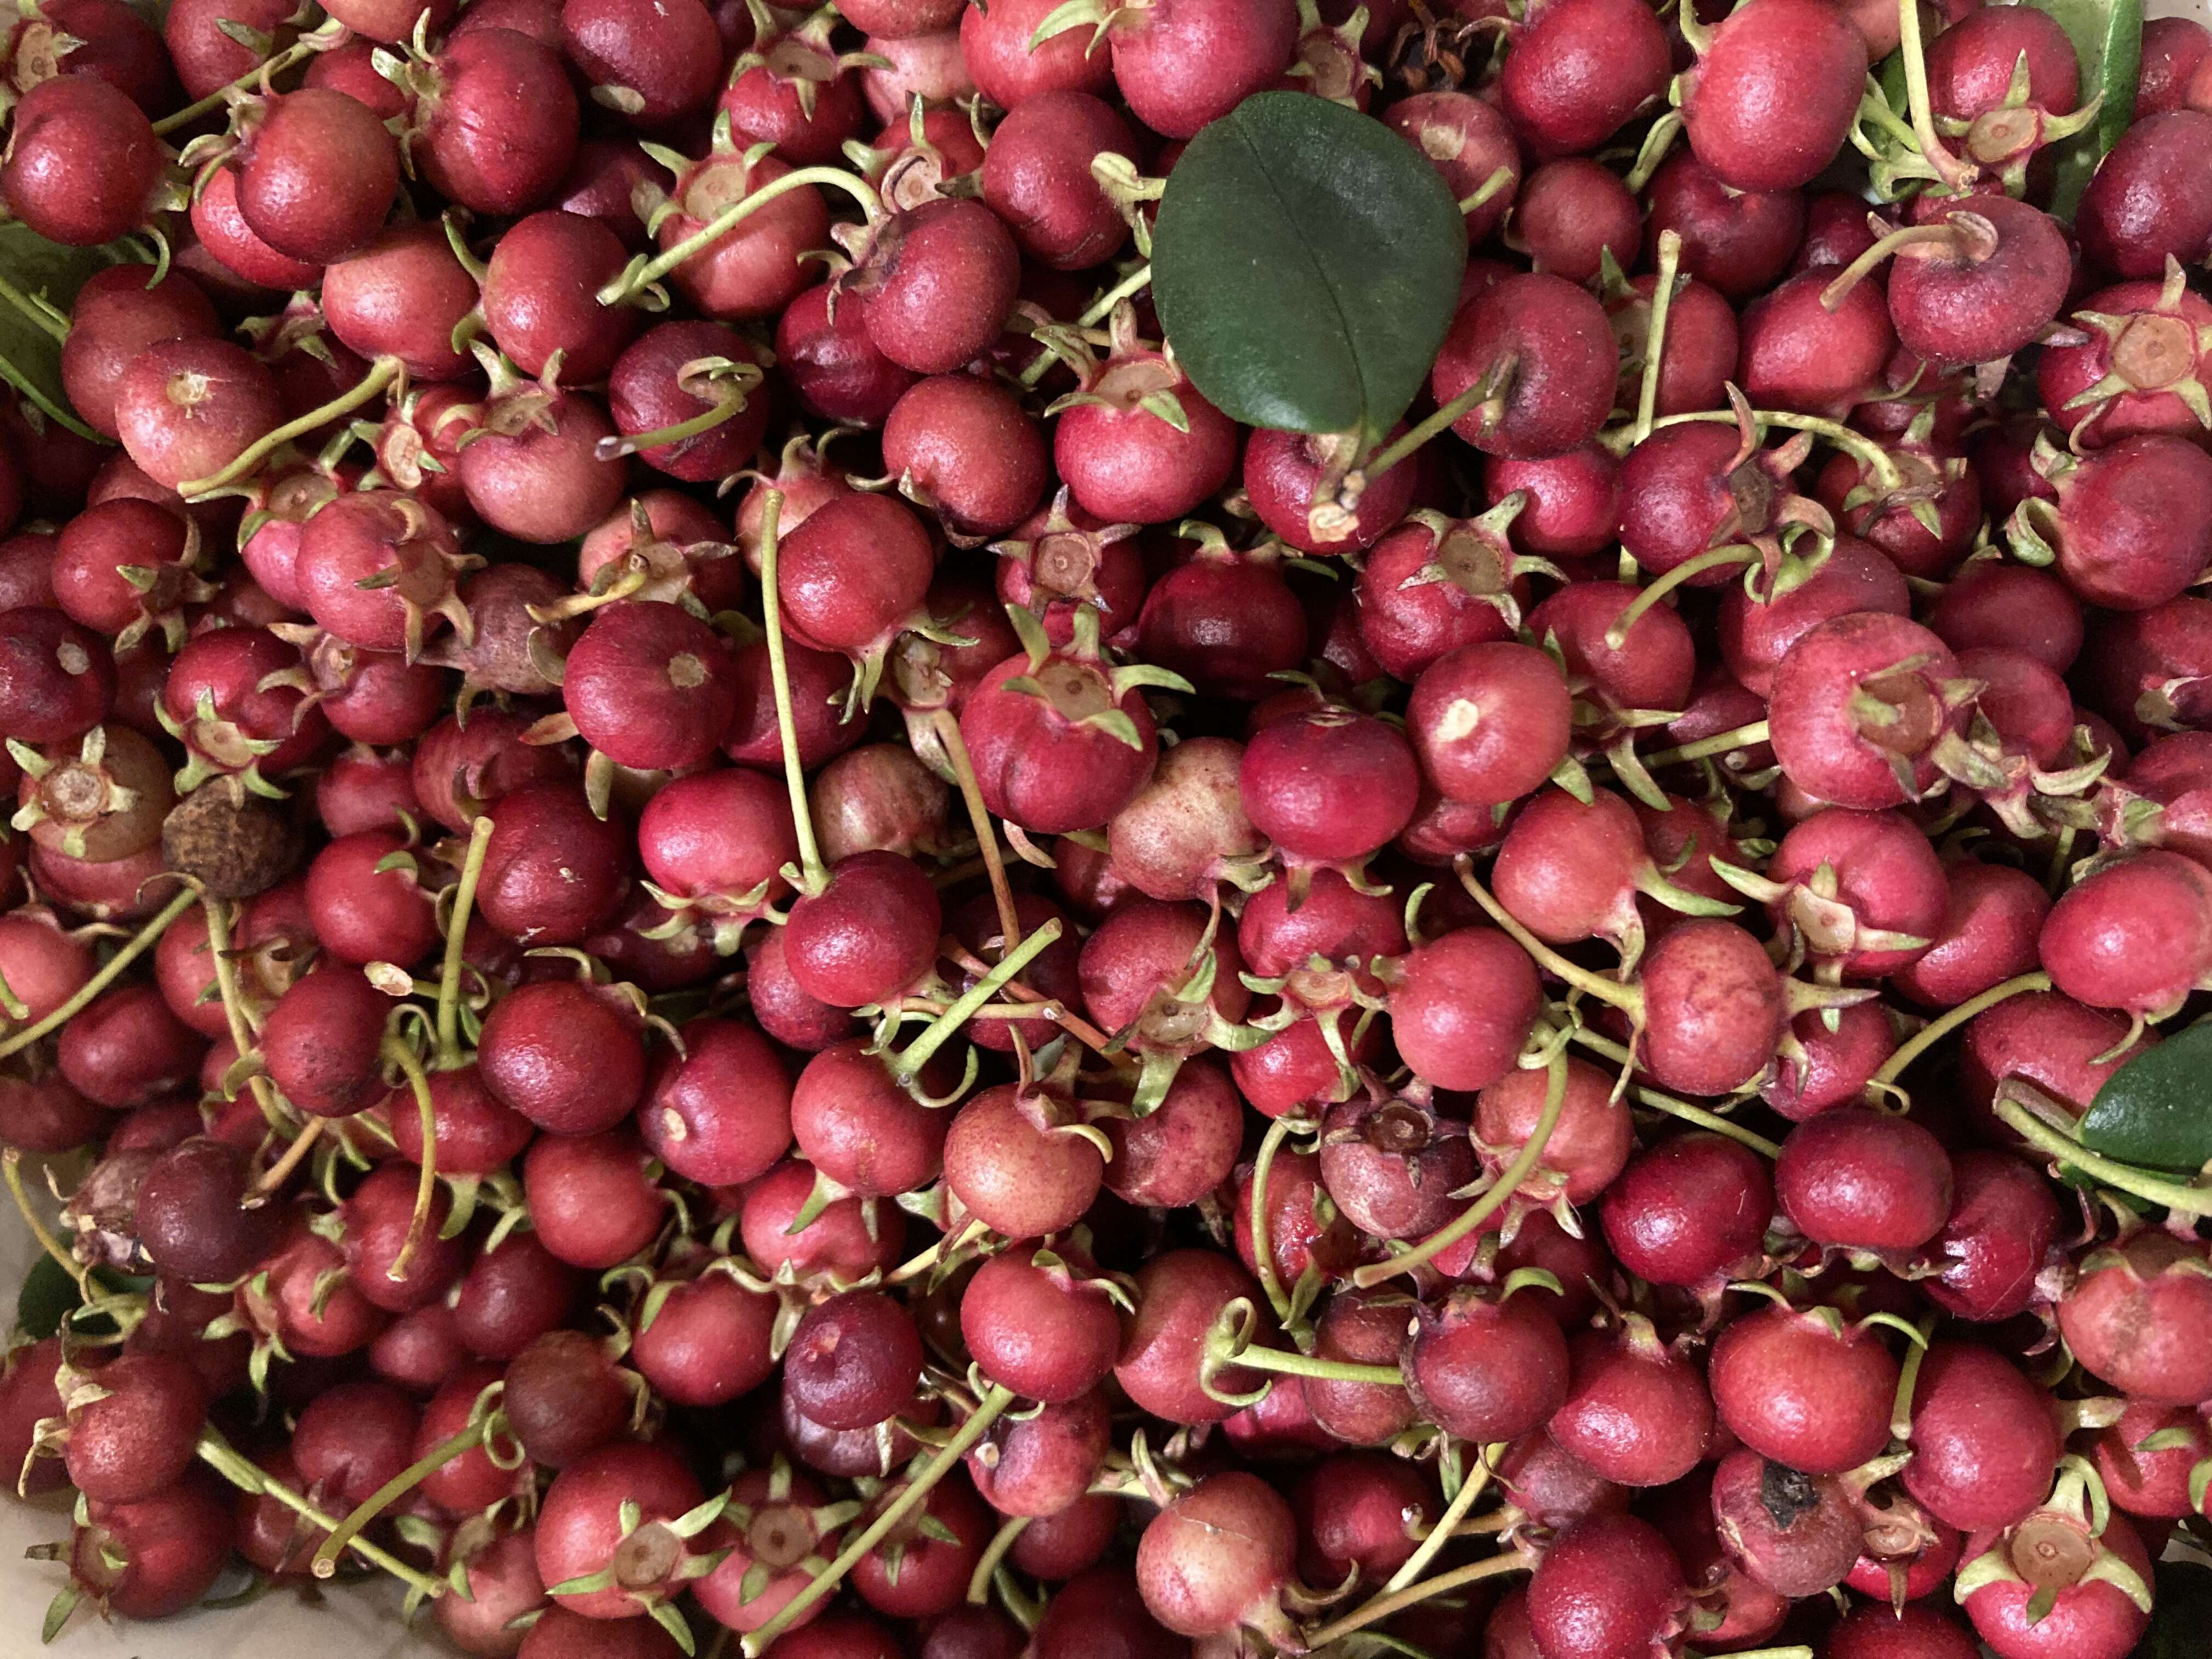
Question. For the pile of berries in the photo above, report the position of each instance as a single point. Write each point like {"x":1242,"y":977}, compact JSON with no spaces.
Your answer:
{"x":727,"y":933}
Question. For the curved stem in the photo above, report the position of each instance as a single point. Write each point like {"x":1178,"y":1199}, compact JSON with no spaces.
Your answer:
{"x":1531,"y":1154}
{"x":629,"y":282}
{"x":1932,"y":147}
{"x":1869,"y":454}
{"x":1949,"y":1021}
{"x":234,"y":1007}
{"x":457,"y":932}
{"x":11,"y":1162}
{"x":1263,"y":1252}
{"x":1655,"y":333}
{"x":1743,"y":736}
{"x":1485,"y":192}
{"x":1669,"y":1104}
{"x":219,"y":1455}
{"x":326,"y":1561}
{"x":813,"y":875}
{"x":979,"y":1582}
{"x":2182,"y":1200}
{"x":281,"y":1171}
{"x":1384,"y":459}
{"x":1689,"y":570}
{"x":1329,"y":1371}
{"x":426,"y":1184}
{"x":947,"y":1457}
{"x":1627,"y":998}
{"x":1473,"y":1484}
{"x":1858,"y":272}
{"x":938,"y":1031}
{"x":614,"y":448}
{"x":214,"y":100}
{"x":947,"y":727}
{"x":1382,"y":1607}
{"x":381,"y":373}
{"x":38,"y":314}
{"x":132,"y":950}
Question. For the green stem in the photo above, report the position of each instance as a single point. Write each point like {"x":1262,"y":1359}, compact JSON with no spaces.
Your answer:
{"x":1103,"y":307}
{"x":425,"y":1183}
{"x":36,"y":314}
{"x":233,"y":1006}
{"x":979,"y":1582}
{"x":1734,"y":553}
{"x":1627,"y":998}
{"x":1472,"y":1485}
{"x":1932,"y":147}
{"x":216,"y":100}
{"x":1743,"y":736}
{"x":2124,"y":1177}
{"x":1263,"y":1252}
{"x":132,"y":950}
{"x":219,"y":1455}
{"x":1655,"y":333}
{"x":946,"y":725}
{"x":1329,"y":1371}
{"x":813,"y":875}
{"x":946,"y":1460}
{"x":1949,"y":1021}
{"x":1485,"y":192}
{"x":940,"y":1031}
{"x":326,"y":1561}
{"x":457,"y":933}
{"x":1869,"y":454}
{"x":1531,"y":1154}
{"x":381,"y":374}
{"x":1669,"y":1104}
{"x":1384,"y":459}
{"x":1382,"y":1607}
{"x":631,"y":281}
{"x":1856,"y":272}
{"x":614,"y":448}
{"x":11,"y":1162}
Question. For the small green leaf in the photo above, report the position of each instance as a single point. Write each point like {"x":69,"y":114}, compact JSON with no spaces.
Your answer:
{"x":1306,"y":263}
{"x":48,"y":1296}
{"x":2157,"y":1110}
{"x":30,"y":356}
{"x":2107,"y":37}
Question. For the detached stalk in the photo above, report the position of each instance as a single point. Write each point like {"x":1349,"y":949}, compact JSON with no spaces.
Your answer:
{"x":1329,"y":1371}
{"x":1103,"y":307}
{"x":219,"y":1455}
{"x":234,"y":1007}
{"x":1472,"y":1485}
{"x":1384,"y":459}
{"x":381,"y":373}
{"x":631,"y":281}
{"x":1909,"y":47}
{"x":325,"y":1563}
{"x":1719,"y":743}
{"x":11,"y":1167}
{"x":948,"y":1457}
{"x":1868,"y":454}
{"x":1669,"y":1104}
{"x":426,"y":1184}
{"x":979,"y":1582}
{"x":941,"y":1030}
{"x":457,"y":931}
{"x":281,"y":1171}
{"x":814,"y":876}
{"x":947,"y":727}
{"x":1263,"y":1250}
{"x":36,"y":313}
{"x":614,"y":448}
{"x":1734,"y":553}
{"x":2124,"y":1177}
{"x":302,"y":48}
{"x":1530,"y":1155}
{"x":1382,"y":1607}
{"x":1949,"y":1021}
{"x":1655,"y":333}
{"x":133,"y":948}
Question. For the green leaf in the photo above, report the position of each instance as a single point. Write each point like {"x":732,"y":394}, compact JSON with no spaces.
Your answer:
{"x":1306,"y":263}
{"x":48,"y":1296}
{"x":2107,"y":37}
{"x":2157,"y":1110}
{"x":2180,"y":1614}
{"x":30,"y":356}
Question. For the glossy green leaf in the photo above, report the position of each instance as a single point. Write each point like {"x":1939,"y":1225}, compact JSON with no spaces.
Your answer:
{"x":48,"y":1296}
{"x":1306,"y":263}
{"x":2107,"y":37}
{"x":31,"y":268}
{"x":2156,"y":1110}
